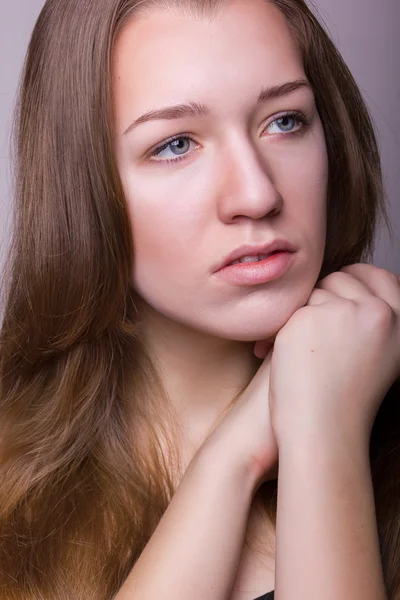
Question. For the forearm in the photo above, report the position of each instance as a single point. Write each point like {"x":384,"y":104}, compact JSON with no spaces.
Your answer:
{"x":326,"y":538}
{"x":195,"y":550}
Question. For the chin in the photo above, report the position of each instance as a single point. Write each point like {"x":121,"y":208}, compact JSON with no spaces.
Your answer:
{"x":261,"y":328}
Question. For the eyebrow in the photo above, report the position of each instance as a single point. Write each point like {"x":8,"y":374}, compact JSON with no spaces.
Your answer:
{"x":194,"y":109}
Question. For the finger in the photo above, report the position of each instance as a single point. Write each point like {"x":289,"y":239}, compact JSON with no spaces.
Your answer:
{"x":345,"y":285}
{"x":382,"y":283}
{"x":320,"y":296}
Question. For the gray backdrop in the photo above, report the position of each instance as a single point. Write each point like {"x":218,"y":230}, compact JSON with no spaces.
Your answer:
{"x":365,"y":31}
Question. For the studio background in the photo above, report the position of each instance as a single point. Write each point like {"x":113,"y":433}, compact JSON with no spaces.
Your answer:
{"x":366,"y":33}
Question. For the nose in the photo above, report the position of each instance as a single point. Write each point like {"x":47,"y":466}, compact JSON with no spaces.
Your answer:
{"x":246,"y":188}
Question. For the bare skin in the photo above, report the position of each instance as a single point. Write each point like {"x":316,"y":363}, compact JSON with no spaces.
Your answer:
{"x":243,"y":178}
{"x":203,"y":343}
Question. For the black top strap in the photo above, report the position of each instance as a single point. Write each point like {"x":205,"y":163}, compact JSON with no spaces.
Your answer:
{"x":268,"y":596}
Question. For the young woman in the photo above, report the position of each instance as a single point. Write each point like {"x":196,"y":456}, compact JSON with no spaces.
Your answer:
{"x":149,"y":386}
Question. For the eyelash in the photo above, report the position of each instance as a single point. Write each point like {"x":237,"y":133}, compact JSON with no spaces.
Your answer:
{"x":296,"y":115}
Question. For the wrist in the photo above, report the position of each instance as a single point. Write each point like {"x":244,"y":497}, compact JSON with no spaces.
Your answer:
{"x":217,"y":456}
{"x":327,"y":443}
{"x":321,"y":431}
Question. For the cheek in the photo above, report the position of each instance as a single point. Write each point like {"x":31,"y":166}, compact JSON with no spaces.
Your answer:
{"x":165,"y":232}
{"x":300,"y":169}
{"x":311,"y":165}
{"x":309,"y":189}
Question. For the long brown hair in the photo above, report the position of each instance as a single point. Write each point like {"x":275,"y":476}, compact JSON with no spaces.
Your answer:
{"x":87,"y":454}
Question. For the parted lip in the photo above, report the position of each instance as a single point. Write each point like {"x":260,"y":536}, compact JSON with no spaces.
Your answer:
{"x":253,"y":250}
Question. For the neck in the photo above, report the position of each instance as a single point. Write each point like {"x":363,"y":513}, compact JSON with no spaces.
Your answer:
{"x":201,"y":373}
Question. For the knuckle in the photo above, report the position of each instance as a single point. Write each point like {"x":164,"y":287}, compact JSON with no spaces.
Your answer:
{"x":345,"y":311}
{"x":384,"y":276}
{"x":381,"y":272}
{"x":379,"y":312}
{"x":333,"y":277}
{"x":392,"y":277}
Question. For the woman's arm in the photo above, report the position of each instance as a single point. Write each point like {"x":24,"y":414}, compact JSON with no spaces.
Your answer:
{"x":196,"y":548}
{"x":326,"y":541}
{"x":343,"y":353}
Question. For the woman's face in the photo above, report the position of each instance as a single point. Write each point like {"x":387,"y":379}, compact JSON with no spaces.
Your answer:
{"x":236,"y":174}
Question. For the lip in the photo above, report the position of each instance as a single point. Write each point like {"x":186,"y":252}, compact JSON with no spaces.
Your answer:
{"x":261,"y":272}
{"x":251,"y":249}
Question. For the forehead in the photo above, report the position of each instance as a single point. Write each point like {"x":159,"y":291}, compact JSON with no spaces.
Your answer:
{"x":165,"y":57}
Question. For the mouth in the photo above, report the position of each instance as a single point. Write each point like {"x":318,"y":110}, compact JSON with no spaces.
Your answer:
{"x":253,"y":259}
{"x":254,"y":272}
{"x":247,"y":253}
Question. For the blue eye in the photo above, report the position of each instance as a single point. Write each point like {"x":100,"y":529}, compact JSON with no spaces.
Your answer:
{"x":175,"y":145}
{"x":179,"y":145}
{"x":281,"y":121}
